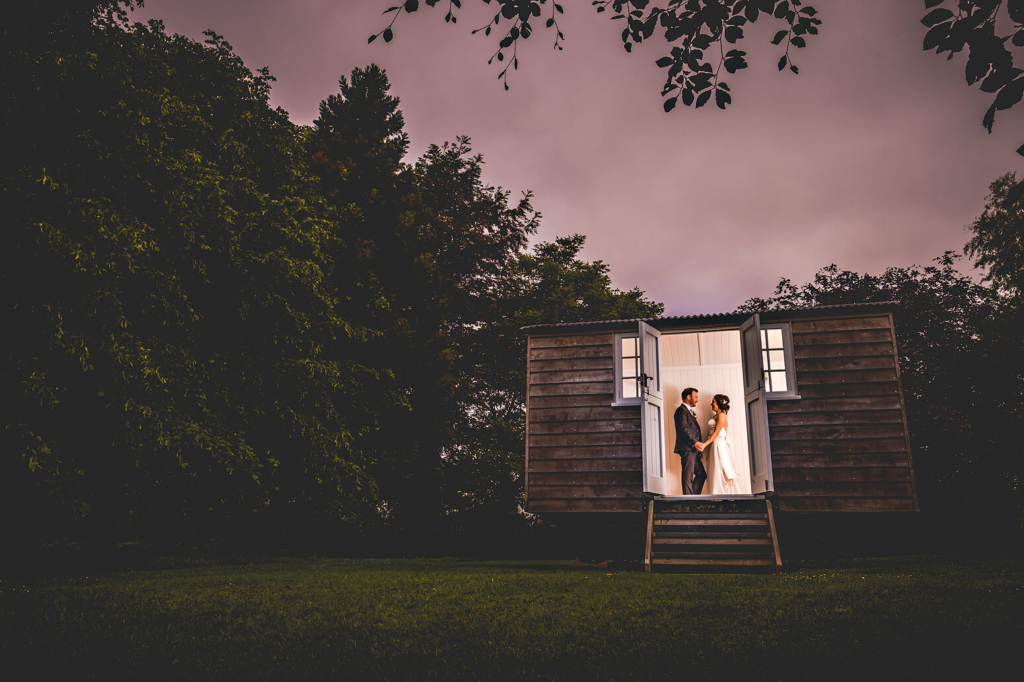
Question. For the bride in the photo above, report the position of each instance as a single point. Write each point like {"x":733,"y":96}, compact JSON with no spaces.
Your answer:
{"x":726,"y":476}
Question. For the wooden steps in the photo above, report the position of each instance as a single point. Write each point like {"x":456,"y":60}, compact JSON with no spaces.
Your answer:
{"x":700,"y":536}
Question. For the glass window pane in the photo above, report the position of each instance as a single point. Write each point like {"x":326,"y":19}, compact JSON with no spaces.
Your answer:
{"x":775,"y":338}
{"x":629,"y":388}
{"x":764,"y":339}
{"x":779,"y":382}
{"x":764,"y":359}
{"x":777,"y":358}
{"x":629,"y":347}
{"x":629,"y":368}
{"x":767,"y":382}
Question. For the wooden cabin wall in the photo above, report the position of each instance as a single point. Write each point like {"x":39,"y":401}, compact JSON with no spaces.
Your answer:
{"x":844,"y":445}
{"x":582,"y":455}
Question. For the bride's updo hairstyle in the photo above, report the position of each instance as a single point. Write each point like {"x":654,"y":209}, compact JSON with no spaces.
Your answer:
{"x":723,"y":402}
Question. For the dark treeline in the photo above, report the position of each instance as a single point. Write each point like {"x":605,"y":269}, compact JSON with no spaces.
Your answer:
{"x":225,"y":330}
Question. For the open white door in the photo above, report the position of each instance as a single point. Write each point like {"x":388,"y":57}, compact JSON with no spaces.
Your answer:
{"x":760,"y":448}
{"x":652,"y":413}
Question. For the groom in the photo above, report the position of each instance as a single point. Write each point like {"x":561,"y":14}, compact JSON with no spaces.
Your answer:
{"x":688,"y":444}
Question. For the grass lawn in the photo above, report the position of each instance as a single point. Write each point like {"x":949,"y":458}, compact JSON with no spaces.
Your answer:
{"x":905,"y":618}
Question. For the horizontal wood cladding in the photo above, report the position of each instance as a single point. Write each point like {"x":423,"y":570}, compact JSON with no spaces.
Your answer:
{"x":582,"y":464}
{"x":593,"y":492}
{"x":545,"y":366}
{"x":570,"y":353}
{"x":586,"y":478}
{"x":593,"y":340}
{"x":887,"y":503}
{"x":843,"y":445}
{"x":578,"y":376}
{"x":843,"y":350}
{"x":585,"y":426}
{"x":541,"y":440}
{"x":592,"y":505}
{"x":583,"y":454}
{"x":605,"y":388}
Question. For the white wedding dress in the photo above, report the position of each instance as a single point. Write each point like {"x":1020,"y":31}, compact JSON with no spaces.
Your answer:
{"x":726,"y":476}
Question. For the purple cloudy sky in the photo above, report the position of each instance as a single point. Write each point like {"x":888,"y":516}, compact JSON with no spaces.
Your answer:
{"x":874,"y":155}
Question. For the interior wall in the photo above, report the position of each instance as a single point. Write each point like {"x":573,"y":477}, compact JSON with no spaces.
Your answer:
{"x":711,"y":362}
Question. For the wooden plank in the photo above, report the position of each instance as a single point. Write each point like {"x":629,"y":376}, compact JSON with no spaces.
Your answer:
{"x":775,"y":535}
{"x":712,"y":562}
{"x":827,"y":338}
{"x":814,"y":447}
{"x":562,"y":439}
{"x":588,"y":426}
{"x":576,"y":340}
{"x":605,"y":388}
{"x":848,"y":390}
{"x":846,"y":504}
{"x":574,"y":364}
{"x":844,"y":376}
{"x":602,"y":478}
{"x":836,"y":364}
{"x":586,"y":452}
{"x":903,"y":409}
{"x":680,"y":523}
{"x":574,"y":377}
{"x":650,"y":533}
{"x":571,"y":352}
{"x":603,"y":464}
{"x":781,"y":419}
{"x":615,"y":505}
{"x":837,"y":460}
{"x":526,"y":470}
{"x":583,"y":413}
{"x":843,"y":350}
{"x":574,"y":492}
{"x":538,"y":402}
{"x":835,"y":432}
{"x":842,"y":404}
{"x":701,"y":540}
{"x":873,"y":489}
{"x":842,"y":475}
{"x":840,"y":324}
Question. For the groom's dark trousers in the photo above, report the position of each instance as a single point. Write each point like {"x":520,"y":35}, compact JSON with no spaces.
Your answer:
{"x":687,"y":436}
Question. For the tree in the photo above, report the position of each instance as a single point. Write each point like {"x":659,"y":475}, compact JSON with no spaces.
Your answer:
{"x":179,"y":365}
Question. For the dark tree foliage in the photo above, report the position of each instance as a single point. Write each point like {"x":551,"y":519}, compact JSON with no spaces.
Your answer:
{"x":963,"y":405}
{"x":696,"y":30}
{"x":174,"y":361}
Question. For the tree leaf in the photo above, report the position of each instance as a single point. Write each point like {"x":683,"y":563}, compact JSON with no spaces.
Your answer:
{"x":779,"y":36}
{"x":371,"y":38}
{"x":722,"y":98}
{"x":782,"y":63}
{"x":936,"y":16}
{"x":388,"y":35}
{"x":412,"y":5}
{"x":670,"y":104}
{"x":703,"y":98}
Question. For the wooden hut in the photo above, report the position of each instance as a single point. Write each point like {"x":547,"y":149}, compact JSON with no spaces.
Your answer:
{"x":817,"y":415}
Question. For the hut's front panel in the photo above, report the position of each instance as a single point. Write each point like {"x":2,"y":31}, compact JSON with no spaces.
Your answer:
{"x":583,"y":455}
{"x":843,"y":445}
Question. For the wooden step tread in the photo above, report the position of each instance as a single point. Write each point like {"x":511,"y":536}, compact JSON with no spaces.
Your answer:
{"x":712,"y":562}
{"x":710,"y":522}
{"x":717,"y":515}
{"x":712,"y":541}
{"x":713,"y":532}
{"x":712,"y":555}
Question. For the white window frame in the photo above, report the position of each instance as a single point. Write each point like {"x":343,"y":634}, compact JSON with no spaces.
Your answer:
{"x":787,"y":349}
{"x":618,"y":400}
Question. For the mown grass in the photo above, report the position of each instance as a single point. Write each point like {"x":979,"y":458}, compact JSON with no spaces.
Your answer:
{"x":910,"y":618}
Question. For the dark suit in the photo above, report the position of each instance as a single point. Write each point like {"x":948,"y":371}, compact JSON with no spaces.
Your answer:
{"x":687,"y":436}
